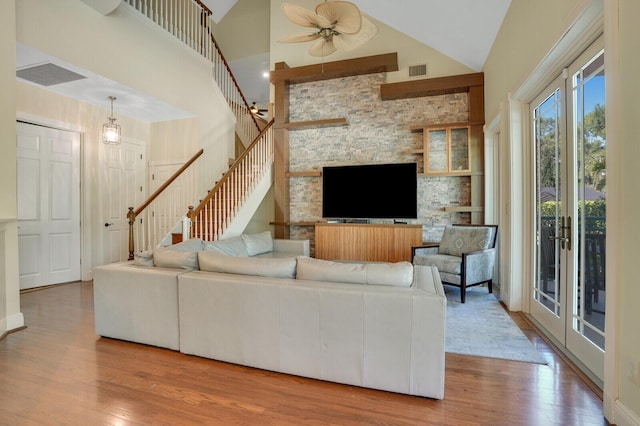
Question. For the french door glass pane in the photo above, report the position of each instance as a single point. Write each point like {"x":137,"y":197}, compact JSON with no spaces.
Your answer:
{"x":590,"y":136}
{"x":548,"y":147}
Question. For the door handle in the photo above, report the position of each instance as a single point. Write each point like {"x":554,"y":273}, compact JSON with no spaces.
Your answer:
{"x":568,"y":235}
{"x":565,"y":233}
{"x":106,"y":225}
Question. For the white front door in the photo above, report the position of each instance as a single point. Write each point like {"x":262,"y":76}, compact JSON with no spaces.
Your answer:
{"x":123,"y":188}
{"x":48,"y":168}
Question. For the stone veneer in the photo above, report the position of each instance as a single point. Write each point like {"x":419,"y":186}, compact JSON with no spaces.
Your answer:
{"x":377,"y":132}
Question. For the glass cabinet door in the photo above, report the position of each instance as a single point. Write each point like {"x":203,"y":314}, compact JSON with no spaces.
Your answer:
{"x":436,"y":149}
{"x":447,"y":150}
{"x":459,"y":150}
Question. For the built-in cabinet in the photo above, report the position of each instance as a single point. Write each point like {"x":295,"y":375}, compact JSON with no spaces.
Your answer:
{"x":446,"y":150}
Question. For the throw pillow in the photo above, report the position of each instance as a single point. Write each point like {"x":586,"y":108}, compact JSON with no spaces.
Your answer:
{"x":258,"y":243}
{"x":213,"y":261}
{"x":233,"y":246}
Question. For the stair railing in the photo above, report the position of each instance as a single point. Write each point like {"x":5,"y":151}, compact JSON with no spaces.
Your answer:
{"x":214,"y":214}
{"x":190,"y":22}
{"x":162,"y":209}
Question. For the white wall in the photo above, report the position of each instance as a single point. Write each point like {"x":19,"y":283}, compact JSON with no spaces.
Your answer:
{"x":132,"y":50}
{"x":531,"y":32}
{"x":623,"y":204}
{"x":10,"y":316}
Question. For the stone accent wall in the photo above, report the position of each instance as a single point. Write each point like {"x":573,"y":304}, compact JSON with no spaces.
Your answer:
{"x":377,"y":132}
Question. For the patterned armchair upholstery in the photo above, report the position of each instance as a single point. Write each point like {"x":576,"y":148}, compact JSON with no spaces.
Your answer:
{"x":465,"y":256}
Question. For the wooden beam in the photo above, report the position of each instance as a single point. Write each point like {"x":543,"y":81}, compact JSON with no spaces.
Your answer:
{"x":431,"y":86}
{"x":338,"y":69}
{"x":314,"y":124}
{"x":311,"y":173}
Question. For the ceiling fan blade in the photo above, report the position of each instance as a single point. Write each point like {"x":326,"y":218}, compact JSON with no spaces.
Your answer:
{"x":351,"y":41}
{"x":303,"y":17}
{"x":299,"y":37}
{"x":345,"y":16}
{"x":322,"y":47}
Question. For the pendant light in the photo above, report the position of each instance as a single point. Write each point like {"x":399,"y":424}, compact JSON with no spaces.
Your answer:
{"x":111,"y":130}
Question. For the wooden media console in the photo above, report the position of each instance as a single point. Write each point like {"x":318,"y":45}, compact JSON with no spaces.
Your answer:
{"x":368,"y":242}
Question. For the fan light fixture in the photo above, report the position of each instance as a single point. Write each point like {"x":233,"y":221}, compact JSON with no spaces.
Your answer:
{"x":338,"y":25}
{"x":111,"y":130}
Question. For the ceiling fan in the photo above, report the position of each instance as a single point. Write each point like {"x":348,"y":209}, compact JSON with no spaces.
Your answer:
{"x":255,"y":109}
{"x":339,"y":25}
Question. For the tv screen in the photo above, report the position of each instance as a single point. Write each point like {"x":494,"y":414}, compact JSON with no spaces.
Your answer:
{"x":372,"y":191}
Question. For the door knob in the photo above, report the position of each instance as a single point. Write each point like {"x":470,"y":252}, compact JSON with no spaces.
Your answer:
{"x":106,"y":225}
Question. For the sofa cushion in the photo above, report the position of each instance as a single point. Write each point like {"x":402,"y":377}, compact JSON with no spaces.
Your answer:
{"x":166,"y":257}
{"x":193,"y":244}
{"x":276,"y":255}
{"x":258,"y":243}
{"x":463,"y":239}
{"x":394,"y":274}
{"x":143,"y":258}
{"x":213,"y":261}
{"x":233,"y":246}
{"x":325,"y":270}
{"x":444,"y":262}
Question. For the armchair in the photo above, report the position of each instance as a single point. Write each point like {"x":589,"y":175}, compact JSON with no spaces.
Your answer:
{"x":464,"y":257}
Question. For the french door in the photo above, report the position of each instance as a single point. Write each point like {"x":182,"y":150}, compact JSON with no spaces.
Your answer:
{"x":569,"y":139}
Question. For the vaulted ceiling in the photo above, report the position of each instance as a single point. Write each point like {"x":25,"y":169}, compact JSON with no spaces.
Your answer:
{"x":464,"y":30}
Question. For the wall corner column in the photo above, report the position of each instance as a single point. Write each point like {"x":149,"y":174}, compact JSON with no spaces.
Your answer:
{"x":281,"y":155}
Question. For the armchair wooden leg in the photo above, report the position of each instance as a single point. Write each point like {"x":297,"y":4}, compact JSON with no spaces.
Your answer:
{"x":490,"y":285}
{"x":463,"y":292}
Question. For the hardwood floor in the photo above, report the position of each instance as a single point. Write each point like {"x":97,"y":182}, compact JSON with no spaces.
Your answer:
{"x":57,"y":371}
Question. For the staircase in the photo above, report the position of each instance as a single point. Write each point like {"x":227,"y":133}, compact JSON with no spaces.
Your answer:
{"x":232,"y":198}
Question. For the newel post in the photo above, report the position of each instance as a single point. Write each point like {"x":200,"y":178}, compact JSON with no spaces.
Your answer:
{"x":132,"y":218}
{"x":191,"y":214}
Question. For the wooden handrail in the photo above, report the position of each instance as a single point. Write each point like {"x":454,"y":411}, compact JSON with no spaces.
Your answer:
{"x":132,"y":214}
{"x":213,"y":216}
{"x":173,"y":177}
{"x":204,"y":7}
{"x":195,"y":211}
{"x":233,"y":79}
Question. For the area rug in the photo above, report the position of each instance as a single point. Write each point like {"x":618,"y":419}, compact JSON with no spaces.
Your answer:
{"x":482,"y":327}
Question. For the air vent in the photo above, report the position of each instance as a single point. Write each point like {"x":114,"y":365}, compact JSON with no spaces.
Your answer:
{"x":417,"y":70}
{"x":48,"y":74}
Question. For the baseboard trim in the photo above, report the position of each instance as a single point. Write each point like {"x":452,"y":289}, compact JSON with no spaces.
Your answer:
{"x":8,"y":332}
{"x":624,"y":416}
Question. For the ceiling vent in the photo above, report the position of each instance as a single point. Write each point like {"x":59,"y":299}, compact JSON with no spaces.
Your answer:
{"x":417,"y":70}
{"x":48,"y":74}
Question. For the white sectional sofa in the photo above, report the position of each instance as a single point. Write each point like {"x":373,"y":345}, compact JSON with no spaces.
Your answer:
{"x":376,"y":325}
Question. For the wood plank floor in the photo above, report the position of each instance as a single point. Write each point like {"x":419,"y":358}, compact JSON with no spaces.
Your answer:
{"x":57,"y":371}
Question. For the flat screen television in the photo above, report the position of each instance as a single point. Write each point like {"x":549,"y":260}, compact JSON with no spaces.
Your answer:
{"x":370,"y":191}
